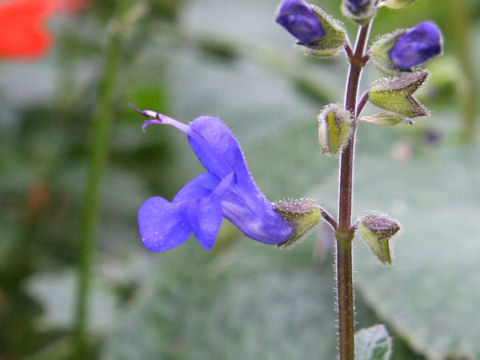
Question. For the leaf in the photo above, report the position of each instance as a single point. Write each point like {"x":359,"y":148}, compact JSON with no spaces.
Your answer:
{"x":373,"y":344}
{"x":431,"y":295}
{"x":251,"y":302}
{"x":56,"y":293}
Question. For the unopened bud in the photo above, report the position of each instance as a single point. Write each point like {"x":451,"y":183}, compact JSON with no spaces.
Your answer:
{"x":334,"y":128}
{"x":404,"y":49}
{"x":396,"y":95}
{"x":303,"y":214}
{"x":315,"y":30}
{"x":377,"y":230}
{"x":298,"y":18}
{"x":359,"y":11}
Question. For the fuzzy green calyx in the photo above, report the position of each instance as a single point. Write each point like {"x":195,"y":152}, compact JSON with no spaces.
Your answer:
{"x":303,"y":214}
{"x":397,"y":4}
{"x":380,"y":52}
{"x":396,"y":95}
{"x":334,"y":39}
{"x":334,"y":128}
{"x":377,"y":230}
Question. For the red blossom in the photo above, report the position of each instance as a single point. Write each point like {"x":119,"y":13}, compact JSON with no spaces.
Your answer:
{"x":23,"y":32}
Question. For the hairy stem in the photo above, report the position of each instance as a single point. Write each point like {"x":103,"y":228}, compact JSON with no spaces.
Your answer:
{"x":344,"y":233}
{"x":362,"y":102}
{"x":329,"y":219}
{"x":99,"y":145}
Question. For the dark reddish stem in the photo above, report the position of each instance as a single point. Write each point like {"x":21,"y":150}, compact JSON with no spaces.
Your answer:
{"x":329,"y":219}
{"x":345,"y":231}
{"x":362,"y":102}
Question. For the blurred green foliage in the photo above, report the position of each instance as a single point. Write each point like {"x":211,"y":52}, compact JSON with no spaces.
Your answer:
{"x":242,"y":300}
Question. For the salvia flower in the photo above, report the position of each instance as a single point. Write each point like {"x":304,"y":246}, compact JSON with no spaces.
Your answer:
{"x":416,"y":46}
{"x":22,"y":26}
{"x":226,"y":189}
{"x":298,"y":18}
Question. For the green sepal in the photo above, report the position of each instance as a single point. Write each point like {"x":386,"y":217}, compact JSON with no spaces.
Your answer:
{"x":334,"y":39}
{"x":386,"y":118}
{"x":395,"y":94}
{"x":377,"y":230}
{"x":396,"y":4}
{"x":303,"y":214}
{"x":380,"y":52}
{"x":363,"y":17}
{"x":334,"y":128}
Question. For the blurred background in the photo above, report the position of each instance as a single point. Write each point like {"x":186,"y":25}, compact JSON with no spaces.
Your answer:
{"x":75,"y":166}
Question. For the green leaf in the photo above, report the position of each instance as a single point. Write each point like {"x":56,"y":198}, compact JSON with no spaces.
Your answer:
{"x":56,"y":293}
{"x":431,"y":295}
{"x":251,"y":302}
{"x":373,"y":344}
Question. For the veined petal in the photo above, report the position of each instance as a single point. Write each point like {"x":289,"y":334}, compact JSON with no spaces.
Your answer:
{"x":161,"y":225}
{"x":205,"y":217}
{"x":205,"y":214}
{"x":416,"y":46}
{"x":201,"y":186}
{"x":298,"y":18}
{"x":255,"y":216}
{"x":216,"y":147}
{"x":218,"y":150}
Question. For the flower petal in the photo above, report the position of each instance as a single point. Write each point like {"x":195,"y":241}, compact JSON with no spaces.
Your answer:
{"x":161,"y":225}
{"x":201,"y":186}
{"x":205,"y":214}
{"x":215,"y":146}
{"x":298,"y":18}
{"x":205,"y":217}
{"x":255,"y":216}
{"x":417,"y":46}
{"x":23,"y":33}
{"x":218,"y":149}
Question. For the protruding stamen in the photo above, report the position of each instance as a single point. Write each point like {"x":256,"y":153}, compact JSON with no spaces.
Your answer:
{"x":160,"y":119}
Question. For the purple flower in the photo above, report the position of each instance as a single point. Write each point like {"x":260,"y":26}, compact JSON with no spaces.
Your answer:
{"x":416,"y":46}
{"x":226,"y":189}
{"x":298,"y":18}
{"x":357,"y":6}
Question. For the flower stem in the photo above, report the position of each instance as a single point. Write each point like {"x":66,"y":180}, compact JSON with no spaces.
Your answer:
{"x":344,"y":233}
{"x":99,"y":146}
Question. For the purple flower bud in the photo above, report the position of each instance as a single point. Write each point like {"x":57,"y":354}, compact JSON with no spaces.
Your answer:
{"x":226,"y":189}
{"x":416,"y":46}
{"x":357,"y":6}
{"x":298,"y":18}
